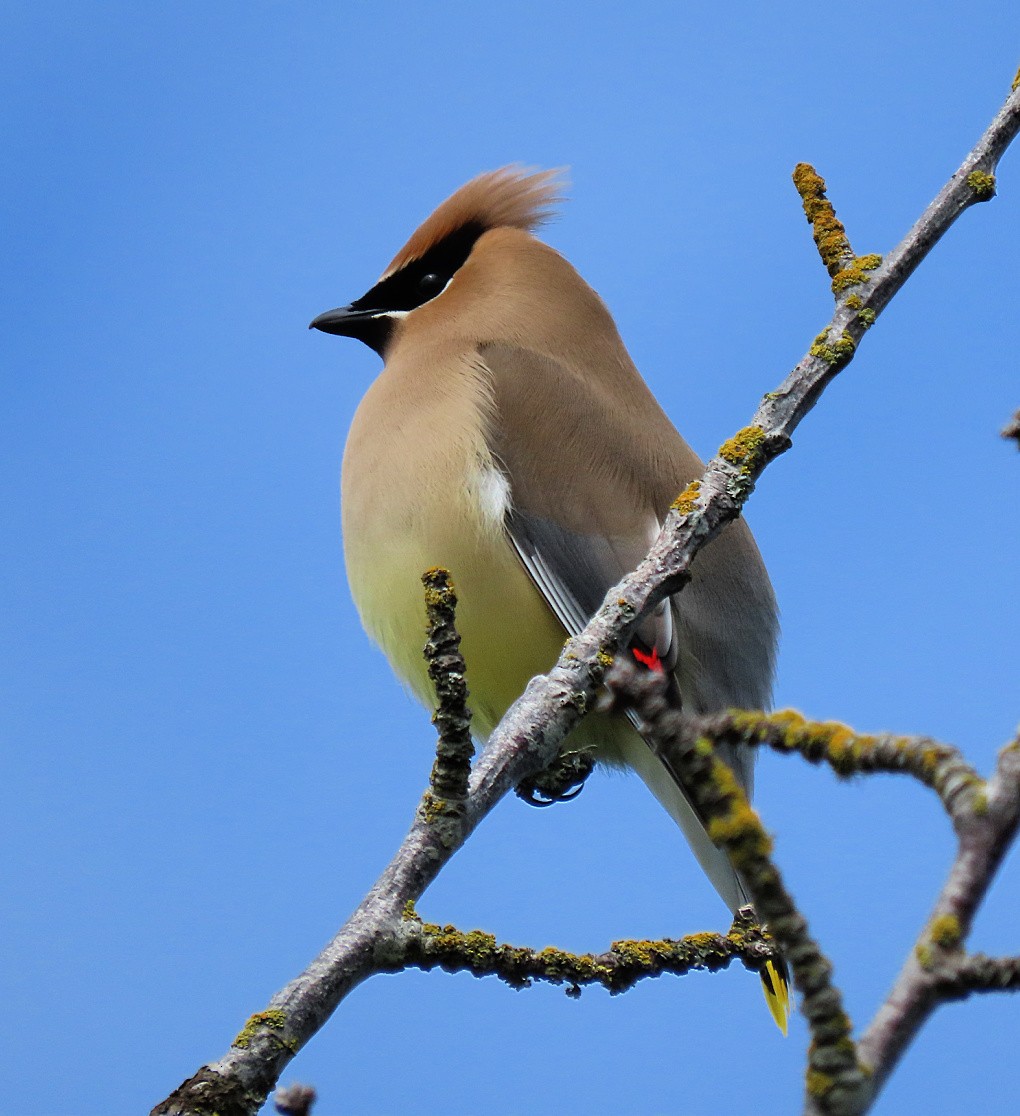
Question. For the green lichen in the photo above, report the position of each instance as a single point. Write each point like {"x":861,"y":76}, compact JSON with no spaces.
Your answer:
{"x":1016,"y":82}
{"x":855,"y":302}
{"x":979,"y":803}
{"x":638,"y":953}
{"x":836,"y":352}
{"x":946,"y":931}
{"x":686,"y":501}
{"x":867,"y":317}
{"x":982,"y":183}
{"x":925,"y":957}
{"x":409,"y":914}
{"x":274,"y":1019}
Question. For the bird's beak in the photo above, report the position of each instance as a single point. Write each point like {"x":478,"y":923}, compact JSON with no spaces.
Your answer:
{"x":344,"y":321}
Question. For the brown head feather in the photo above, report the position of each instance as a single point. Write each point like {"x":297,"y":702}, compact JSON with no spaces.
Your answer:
{"x":511,"y":197}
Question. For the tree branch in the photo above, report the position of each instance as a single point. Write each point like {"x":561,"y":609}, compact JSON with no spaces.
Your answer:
{"x":529,"y":736}
{"x":452,"y":718}
{"x":937,"y":970}
{"x":429,"y":946}
{"x":835,"y":1081}
{"x":938,"y":766}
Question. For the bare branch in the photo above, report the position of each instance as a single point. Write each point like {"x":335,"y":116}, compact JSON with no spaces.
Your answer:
{"x":294,"y":1100}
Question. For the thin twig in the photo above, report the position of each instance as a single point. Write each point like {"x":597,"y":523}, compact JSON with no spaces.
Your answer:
{"x":294,"y":1100}
{"x":977,"y":972}
{"x":455,"y":749}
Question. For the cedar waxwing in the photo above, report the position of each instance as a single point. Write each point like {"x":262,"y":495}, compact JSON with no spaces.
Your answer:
{"x":510,"y":439}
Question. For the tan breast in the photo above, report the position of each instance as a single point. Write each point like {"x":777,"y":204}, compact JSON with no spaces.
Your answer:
{"x":436,"y":503}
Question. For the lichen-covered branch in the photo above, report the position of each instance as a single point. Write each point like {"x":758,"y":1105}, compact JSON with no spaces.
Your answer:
{"x":849,"y":753}
{"x":430,"y":946}
{"x":979,"y":973}
{"x":452,"y":718}
{"x":829,"y":234}
{"x":939,"y":969}
{"x":985,"y":815}
{"x":529,"y":736}
{"x":835,"y":1081}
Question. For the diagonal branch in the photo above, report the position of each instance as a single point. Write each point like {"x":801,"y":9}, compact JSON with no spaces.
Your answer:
{"x":529,"y":735}
{"x":835,"y":1081}
{"x":937,"y":970}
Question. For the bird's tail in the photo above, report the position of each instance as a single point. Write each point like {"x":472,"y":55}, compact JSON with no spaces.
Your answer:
{"x":775,"y":983}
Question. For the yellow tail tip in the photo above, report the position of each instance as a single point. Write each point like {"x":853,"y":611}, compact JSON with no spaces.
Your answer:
{"x":775,"y":983}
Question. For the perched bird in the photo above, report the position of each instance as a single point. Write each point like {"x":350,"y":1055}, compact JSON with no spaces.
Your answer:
{"x":510,"y":439}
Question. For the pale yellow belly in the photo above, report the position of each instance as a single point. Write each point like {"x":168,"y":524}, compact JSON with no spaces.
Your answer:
{"x":508,"y":634}
{"x":403,"y":515}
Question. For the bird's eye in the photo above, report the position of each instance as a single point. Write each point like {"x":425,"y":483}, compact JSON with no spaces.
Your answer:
{"x":431,"y":284}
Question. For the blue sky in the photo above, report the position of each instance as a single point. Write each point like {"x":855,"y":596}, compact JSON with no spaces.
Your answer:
{"x":206,"y":764}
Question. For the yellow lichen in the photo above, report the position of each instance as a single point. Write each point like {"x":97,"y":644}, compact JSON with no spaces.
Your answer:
{"x":742,"y":448}
{"x":704,"y":941}
{"x":687,"y":499}
{"x":819,"y":1084}
{"x":855,"y":272}
{"x":946,"y":931}
{"x":737,"y":826}
{"x":855,"y":302}
{"x":275,"y":1019}
{"x":826,"y":228}
{"x":982,"y":183}
{"x":836,"y":352}
{"x":438,"y":587}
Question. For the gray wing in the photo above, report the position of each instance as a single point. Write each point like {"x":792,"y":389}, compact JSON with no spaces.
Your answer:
{"x":589,"y":487}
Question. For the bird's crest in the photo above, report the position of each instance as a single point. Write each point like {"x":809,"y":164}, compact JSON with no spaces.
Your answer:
{"x":511,"y":197}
